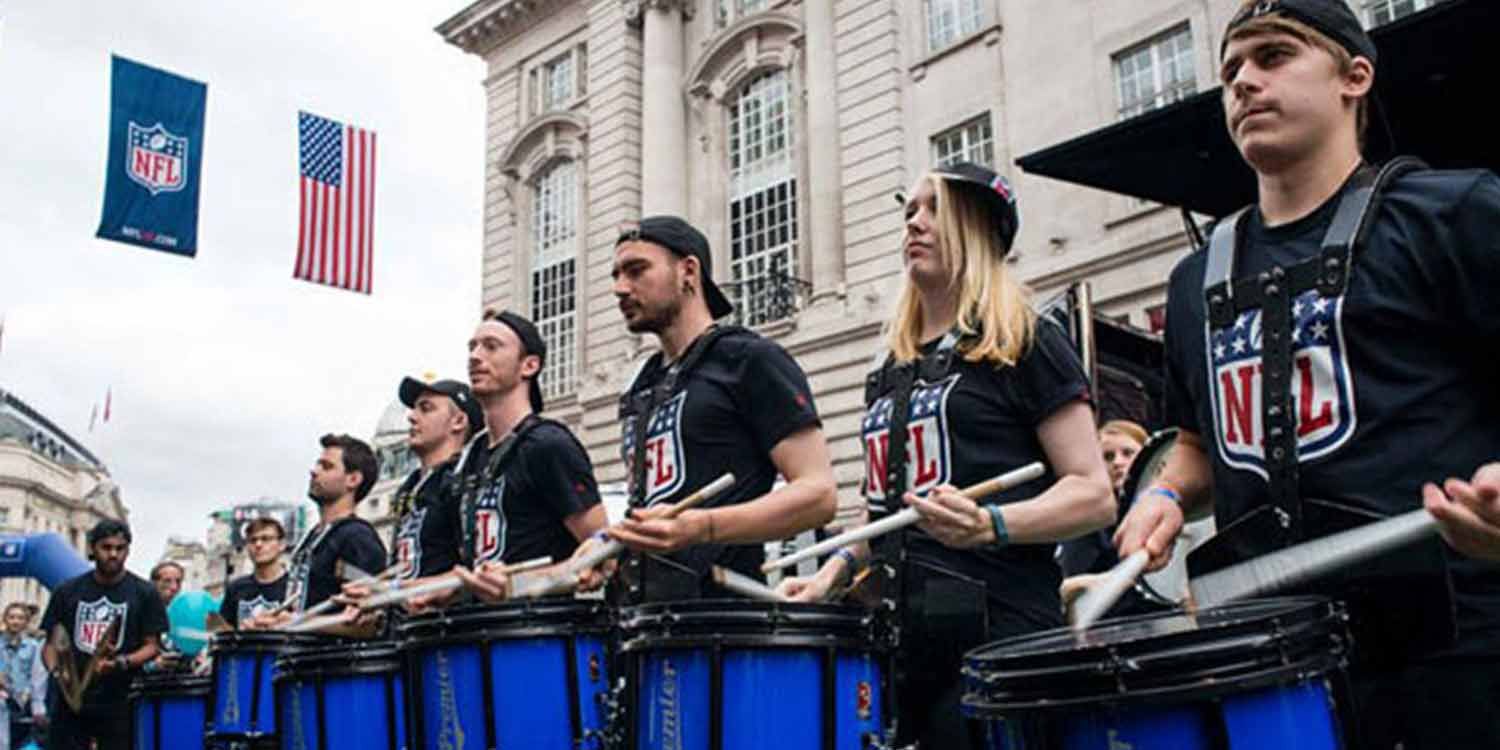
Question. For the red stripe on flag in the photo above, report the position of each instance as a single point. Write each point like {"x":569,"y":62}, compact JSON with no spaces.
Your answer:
{"x":348,"y":192}
{"x":323,"y":259}
{"x":301,"y":225}
{"x":364,"y":213}
{"x":370,"y":224}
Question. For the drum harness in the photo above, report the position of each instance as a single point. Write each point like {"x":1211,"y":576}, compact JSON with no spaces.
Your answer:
{"x":1385,"y":628}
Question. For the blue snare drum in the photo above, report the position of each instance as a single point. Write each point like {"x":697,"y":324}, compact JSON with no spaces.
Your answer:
{"x":168,"y":711}
{"x":348,"y":695}
{"x":746,"y":675}
{"x":242,"y":697}
{"x":1260,"y":674}
{"x":530,"y":674}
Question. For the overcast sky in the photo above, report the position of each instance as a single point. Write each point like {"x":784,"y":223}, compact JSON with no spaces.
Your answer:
{"x":224,"y":369}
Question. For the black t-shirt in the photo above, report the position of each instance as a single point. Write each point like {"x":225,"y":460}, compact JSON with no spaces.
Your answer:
{"x":427,"y":530}
{"x":976,"y":422}
{"x":725,"y":414}
{"x":1395,"y":380}
{"x":86,"y":608}
{"x":315,"y":562}
{"x":246,"y":597}
{"x":518,"y":514}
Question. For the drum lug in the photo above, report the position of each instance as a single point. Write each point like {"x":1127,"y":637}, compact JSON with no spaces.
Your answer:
{"x":612,"y":712}
{"x":875,"y":740}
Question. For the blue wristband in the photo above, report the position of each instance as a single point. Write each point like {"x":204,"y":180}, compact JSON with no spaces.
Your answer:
{"x":1166,"y":492}
{"x":997,"y":521}
{"x":849,"y":558}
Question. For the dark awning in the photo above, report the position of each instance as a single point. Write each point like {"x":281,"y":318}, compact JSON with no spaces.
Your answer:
{"x":1432,"y":84}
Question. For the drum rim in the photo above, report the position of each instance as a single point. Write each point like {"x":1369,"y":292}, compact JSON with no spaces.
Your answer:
{"x":184,"y":684}
{"x":258,"y":640}
{"x":471,"y":624}
{"x":1302,"y":638}
{"x":703,"y":623}
{"x":356,"y":658}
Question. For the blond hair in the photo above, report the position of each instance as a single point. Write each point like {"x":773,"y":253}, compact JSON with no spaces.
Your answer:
{"x":1125,"y":428}
{"x":1276,"y":23}
{"x":995,"y":318}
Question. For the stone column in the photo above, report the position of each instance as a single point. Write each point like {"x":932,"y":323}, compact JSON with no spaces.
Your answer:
{"x":824,"y":165}
{"x":663,"y":109}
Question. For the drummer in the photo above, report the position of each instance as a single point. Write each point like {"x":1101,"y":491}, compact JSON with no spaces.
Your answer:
{"x":341,"y":477}
{"x":716,"y":398}
{"x":991,"y":387}
{"x":1084,"y":558}
{"x":528,"y":487}
{"x":1396,"y":407}
{"x":265,"y":586}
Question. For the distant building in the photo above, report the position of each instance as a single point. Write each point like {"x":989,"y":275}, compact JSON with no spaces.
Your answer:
{"x":49,"y":482}
{"x":192,"y":555}
{"x":396,"y":461}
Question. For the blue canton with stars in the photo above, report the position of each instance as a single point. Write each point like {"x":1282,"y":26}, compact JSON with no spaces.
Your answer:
{"x":322,"y":151}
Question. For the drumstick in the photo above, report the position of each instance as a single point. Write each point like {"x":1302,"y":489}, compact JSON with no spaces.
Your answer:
{"x":314,"y":624}
{"x":904,"y":518}
{"x":744,"y":585}
{"x":567,"y":579}
{"x":1308,"y":560}
{"x":1098,"y":598}
{"x":440,"y":585}
{"x":359,"y":577}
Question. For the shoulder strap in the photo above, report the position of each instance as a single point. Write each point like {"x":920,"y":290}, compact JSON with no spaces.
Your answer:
{"x":498,"y":458}
{"x":899,"y":380}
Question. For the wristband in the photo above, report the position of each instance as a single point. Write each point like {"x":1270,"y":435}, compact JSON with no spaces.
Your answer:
{"x":1166,"y":492}
{"x":997,"y":521}
{"x":600,"y":536}
{"x":849,"y":558}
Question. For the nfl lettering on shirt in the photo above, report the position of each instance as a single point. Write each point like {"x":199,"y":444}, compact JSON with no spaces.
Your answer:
{"x":1322,"y":392}
{"x":927,"y":450}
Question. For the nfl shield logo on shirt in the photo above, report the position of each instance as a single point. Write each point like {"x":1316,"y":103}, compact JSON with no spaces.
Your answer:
{"x":157,"y":160}
{"x":665,"y":471}
{"x":93,"y":619}
{"x":1322,"y":388}
{"x":927,"y":445}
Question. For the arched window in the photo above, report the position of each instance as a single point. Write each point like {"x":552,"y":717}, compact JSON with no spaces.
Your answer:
{"x":554,"y":232}
{"x":762,"y":198}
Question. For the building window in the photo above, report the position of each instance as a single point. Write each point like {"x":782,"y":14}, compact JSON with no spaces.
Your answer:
{"x":1381,"y":12}
{"x":1155,"y":73}
{"x":951,"y":20}
{"x":1156,"y":318}
{"x":730,"y":11}
{"x":557,"y":83}
{"x":762,"y":200}
{"x":554,"y":229}
{"x":972,"y":141}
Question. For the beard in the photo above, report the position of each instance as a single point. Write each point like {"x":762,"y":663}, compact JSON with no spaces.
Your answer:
{"x":655,"y":318}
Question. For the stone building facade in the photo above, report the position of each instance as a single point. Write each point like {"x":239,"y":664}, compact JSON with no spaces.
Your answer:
{"x":782,"y":128}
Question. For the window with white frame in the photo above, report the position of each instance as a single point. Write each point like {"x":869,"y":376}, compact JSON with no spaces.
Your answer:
{"x":1380,"y":12}
{"x":951,"y":20}
{"x":729,"y":11}
{"x":555,"y":84}
{"x":972,"y":141}
{"x":554,"y":294}
{"x":762,"y":198}
{"x":1155,"y":73}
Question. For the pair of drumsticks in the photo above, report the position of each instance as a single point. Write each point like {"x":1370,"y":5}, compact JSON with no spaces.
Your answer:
{"x":69,"y":683}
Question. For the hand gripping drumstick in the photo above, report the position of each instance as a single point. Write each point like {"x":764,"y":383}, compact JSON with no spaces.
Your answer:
{"x":567,"y":579}
{"x":1098,"y":598}
{"x":904,"y":518}
{"x":440,"y":585}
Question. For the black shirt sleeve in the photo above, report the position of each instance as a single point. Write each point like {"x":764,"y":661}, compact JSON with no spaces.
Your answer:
{"x":1050,"y":375}
{"x":773,"y":394}
{"x":361,"y":546}
{"x":229,"y":609}
{"x":56,"y":608}
{"x":559,"y":471}
{"x":1474,"y":275}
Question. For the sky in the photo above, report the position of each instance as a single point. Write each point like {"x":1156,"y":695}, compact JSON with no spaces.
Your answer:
{"x":223,"y":369}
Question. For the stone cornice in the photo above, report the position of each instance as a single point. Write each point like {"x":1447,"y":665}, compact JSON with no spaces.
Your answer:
{"x":486,"y":23}
{"x":634,"y":9}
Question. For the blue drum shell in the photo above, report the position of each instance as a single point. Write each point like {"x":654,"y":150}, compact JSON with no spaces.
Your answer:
{"x":1246,"y":675}
{"x":168,"y":711}
{"x":543,"y":666}
{"x":243,"y":700}
{"x":345,"y":696}
{"x":788,"y":676}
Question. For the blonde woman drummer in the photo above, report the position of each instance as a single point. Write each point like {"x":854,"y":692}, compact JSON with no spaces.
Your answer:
{"x":988,"y":387}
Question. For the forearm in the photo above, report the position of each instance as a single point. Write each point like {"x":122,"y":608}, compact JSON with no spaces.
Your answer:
{"x":1188,"y":474}
{"x":145,"y":653}
{"x":1071,"y":507}
{"x":803,"y":503}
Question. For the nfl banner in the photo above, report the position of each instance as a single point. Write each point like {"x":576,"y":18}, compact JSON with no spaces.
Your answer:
{"x":155,"y":158}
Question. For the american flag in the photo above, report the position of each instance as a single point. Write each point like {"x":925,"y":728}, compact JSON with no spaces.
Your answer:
{"x":337,"y":185}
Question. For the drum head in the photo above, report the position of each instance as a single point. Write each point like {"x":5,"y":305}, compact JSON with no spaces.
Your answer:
{"x":487,"y":622}
{"x":737,"y":622}
{"x":339,"y":660}
{"x":170,"y":684}
{"x":258,"y":640}
{"x":1166,"y":656}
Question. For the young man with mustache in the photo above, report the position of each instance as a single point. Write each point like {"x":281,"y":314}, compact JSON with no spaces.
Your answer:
{"x":1314,"y":384}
